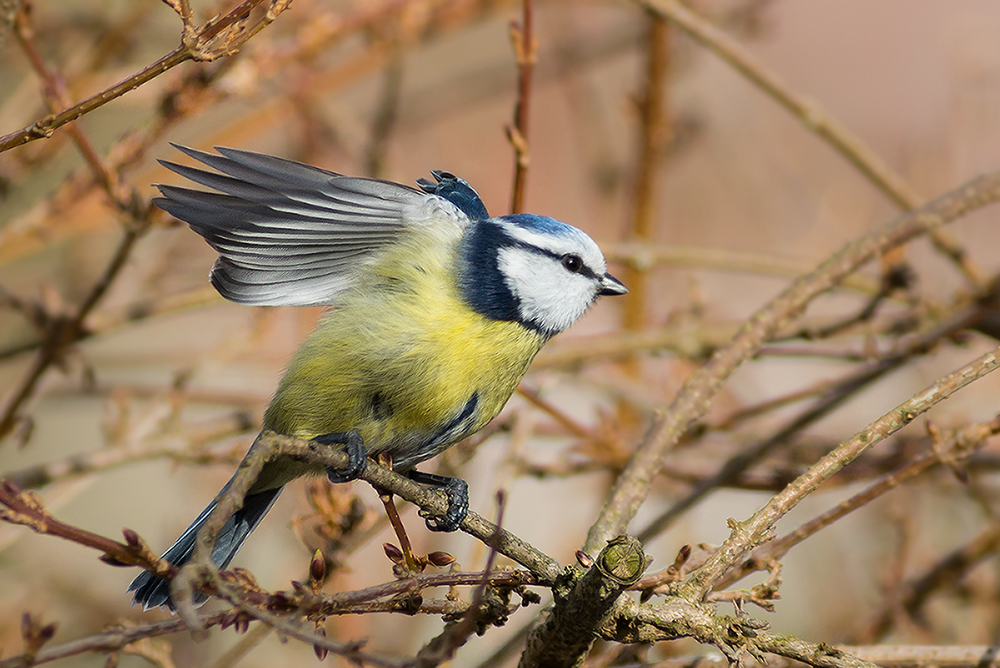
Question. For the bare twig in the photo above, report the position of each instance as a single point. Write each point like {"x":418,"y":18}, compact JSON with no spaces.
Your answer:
{"x":66,"y":331}
{"x":25,"y":508}
{"x":649,"y":254}
{"x":443,"y":647}
{"x":109,"y":640}
{"x":830,"y":398}
{"x":387,"y":115}
{"x":693,"y":400}
{"x":915,"y":592}
{"x":186,"y":451}
{"x":220,"y":36}
{"x":813,"y":117}
{"x":522,"y":37}
{"x":749,"y":534}
{"x":957,"y":445}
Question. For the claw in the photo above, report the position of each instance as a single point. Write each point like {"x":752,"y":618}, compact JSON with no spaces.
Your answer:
{"x":457,"y":491}
{"x":357,"y":456}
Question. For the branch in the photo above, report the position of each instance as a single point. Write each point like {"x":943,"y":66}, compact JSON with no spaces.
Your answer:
{"x":749,"y":534}
{"x":831,"y":398}
{"x":694,"y":398}
{"x":63,"y":332}
{"x":219,"y":37}
{"x":648,"y":254}
{"x":736,"y":636}
{"x":26,"y":509}
{"x":886,"y":656}
{"x":541,"y":565}
{"x":957,"y":445}
{"x":190,"y":451}
{"x":655,"y":133}
{"x":813,"y":117}
{"x":584,"y":603}
{"x":526,"y":51}
{"x":108,"y":641}
{"x":820,"y":655}
{"x":200,"y":570}
{"x":947,"y":571}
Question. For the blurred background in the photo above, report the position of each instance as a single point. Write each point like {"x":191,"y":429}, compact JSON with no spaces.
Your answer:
{"x":708,"y":208}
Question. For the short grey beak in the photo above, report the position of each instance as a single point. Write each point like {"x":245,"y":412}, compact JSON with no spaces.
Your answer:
{"x":612,"y":286}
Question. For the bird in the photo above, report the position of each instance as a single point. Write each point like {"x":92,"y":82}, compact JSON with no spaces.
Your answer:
{"x":436,"y":310}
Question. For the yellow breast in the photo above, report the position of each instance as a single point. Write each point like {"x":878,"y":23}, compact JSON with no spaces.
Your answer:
{"x":399,"y":359}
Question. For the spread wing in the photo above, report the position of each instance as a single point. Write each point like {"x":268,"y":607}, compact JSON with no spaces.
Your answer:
{"x":290,"y":234}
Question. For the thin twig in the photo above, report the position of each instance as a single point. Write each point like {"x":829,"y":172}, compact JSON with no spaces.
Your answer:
{"x":695,"y":396}
{"x":67,"y":331}
{"x":522,"y":37}
{"x":813,"y":117}
{"x":831,"y":397}
{"x":915,"y":592}
{"x":956,"y":446}
{"x":220,"y":36}
{"x":443,"y":647}
{"x":747,"y":535}
{"x":649,"y":254}
{"x":110,"y":640}
{"x":26,"y":508}
{"x":386,"y":117}
{"x":187,"y":450}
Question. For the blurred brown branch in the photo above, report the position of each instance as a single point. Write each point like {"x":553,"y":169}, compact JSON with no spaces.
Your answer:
{"x":814,"y":118}
{"x":655,"y":135}
{"x":219,"y":37}
{"x":189,"y":450}
{"x":916,"y":591}
{"x":25,"y":508}
{"x":522,"y":37}
{"x":108,"y":641}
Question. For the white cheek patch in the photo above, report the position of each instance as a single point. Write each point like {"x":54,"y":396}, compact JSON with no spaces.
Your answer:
{"x":550,"y":297}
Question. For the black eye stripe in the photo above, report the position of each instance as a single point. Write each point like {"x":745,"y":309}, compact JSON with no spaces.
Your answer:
{"x":583,"y":271}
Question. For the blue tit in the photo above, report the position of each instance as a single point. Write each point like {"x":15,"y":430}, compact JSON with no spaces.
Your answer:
{"x":438,"y":309}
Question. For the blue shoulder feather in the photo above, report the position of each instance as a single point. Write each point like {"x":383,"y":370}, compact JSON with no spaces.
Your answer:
{"x":457,"y":191}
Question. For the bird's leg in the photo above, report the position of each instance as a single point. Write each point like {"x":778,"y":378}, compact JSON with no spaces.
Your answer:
{"x":458,"y":499}
{"x":357,"y":457}
{"x":385,"y":496}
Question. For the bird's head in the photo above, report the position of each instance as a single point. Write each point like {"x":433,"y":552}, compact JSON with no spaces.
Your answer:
{"x":534,"y":270}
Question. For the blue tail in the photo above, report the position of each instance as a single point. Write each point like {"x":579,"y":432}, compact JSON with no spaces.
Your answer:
{"x":151,"y":591}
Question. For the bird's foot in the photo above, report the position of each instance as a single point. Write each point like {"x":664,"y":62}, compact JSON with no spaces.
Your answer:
{"x":457,"y":491}
{"x":357,"y":457}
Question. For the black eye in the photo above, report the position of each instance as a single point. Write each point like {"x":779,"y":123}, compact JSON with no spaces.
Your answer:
{"x":572,"y":263}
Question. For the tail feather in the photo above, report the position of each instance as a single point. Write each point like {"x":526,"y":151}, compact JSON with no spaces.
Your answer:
{"x":151,"y":591}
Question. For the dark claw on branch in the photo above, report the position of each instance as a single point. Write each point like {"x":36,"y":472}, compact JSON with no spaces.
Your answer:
{"x":355,"y":449}
{"x":457,"y":491}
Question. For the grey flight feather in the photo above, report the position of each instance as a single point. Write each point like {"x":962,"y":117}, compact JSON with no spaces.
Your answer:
{"x":289,"y":234}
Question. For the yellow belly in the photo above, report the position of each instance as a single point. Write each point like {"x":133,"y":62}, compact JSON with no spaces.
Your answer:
{"x":399,"y":366}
